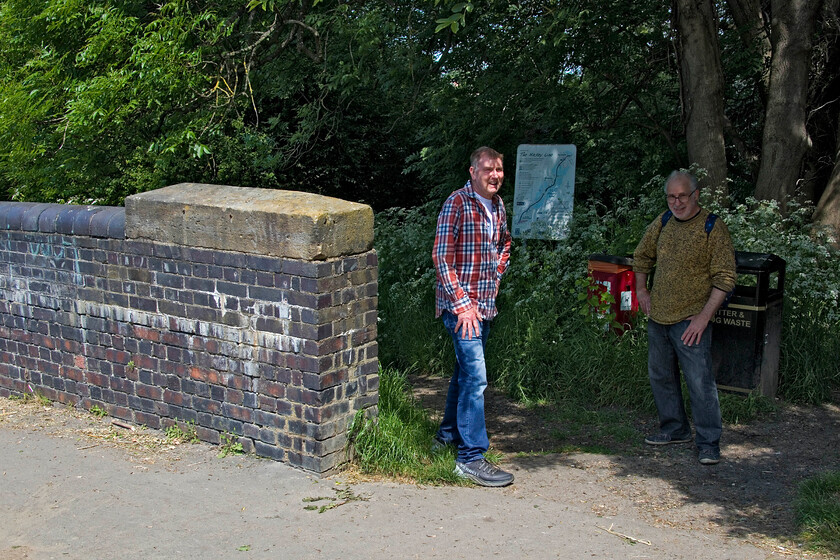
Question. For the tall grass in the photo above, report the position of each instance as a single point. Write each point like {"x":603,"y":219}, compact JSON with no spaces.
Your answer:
{"x":810,"y":347}
{"x":397,"y":442}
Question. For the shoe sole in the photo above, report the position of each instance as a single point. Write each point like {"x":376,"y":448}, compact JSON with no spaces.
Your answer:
{"x":707,"y":461}
{"x":482,"y":482}
{"x":669,"y":442}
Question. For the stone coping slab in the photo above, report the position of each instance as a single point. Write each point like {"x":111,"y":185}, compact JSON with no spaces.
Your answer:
{"x":269,"y":222}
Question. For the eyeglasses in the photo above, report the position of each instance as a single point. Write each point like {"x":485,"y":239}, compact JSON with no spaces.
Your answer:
{"x":672,"y":198}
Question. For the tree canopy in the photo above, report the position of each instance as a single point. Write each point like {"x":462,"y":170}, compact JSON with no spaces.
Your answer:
{"x":382,"y":101}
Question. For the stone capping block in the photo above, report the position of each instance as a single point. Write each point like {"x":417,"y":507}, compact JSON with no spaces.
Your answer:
{"x":276,"y":223}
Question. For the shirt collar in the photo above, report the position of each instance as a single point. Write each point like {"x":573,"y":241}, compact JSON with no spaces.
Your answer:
{"x":471,"y":192}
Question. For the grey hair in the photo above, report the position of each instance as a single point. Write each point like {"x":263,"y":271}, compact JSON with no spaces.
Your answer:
{"x":692,"y":180}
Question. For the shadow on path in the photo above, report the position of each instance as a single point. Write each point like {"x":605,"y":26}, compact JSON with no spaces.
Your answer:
{"x":749,"y":494}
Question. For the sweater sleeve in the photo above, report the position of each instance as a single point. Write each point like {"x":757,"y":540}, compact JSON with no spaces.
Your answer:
{"x":722,"y":264}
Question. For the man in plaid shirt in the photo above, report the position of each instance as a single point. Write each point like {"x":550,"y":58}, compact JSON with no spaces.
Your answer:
{"x":471,"y":252}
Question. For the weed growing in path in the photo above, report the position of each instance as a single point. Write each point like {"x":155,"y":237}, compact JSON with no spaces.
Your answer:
{"x":230,"y":445}
{"x":97,"y":411}
{"x":176,"y":434}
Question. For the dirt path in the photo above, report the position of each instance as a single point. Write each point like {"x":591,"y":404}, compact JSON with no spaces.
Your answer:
{"x":748,"y":495}
{"x":74,"y":486}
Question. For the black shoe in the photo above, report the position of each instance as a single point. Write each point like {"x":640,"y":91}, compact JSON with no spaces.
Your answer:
{"x":709,"y":457}
{"x":665,"y":439}
{"x":483,"y":473}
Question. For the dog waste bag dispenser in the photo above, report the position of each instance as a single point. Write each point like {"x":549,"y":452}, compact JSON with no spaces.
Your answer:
{"x":747,"y":330}
{"x":616,"y":276}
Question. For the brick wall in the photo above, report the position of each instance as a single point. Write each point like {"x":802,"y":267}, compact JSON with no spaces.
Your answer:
{"x":280,"y":352}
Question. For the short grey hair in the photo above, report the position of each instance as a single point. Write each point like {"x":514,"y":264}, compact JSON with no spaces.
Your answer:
{"x":483,"y":151}
{"x":692,"y":180}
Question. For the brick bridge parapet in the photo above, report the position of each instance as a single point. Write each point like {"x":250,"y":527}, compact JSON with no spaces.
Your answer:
{"x":248,"y":313}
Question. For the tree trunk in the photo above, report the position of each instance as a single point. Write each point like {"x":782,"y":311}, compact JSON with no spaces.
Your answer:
{"x":749,"y":19}
{"x":828,"y":208}
{"x":702,"y":90}
{"x":785,"y":140}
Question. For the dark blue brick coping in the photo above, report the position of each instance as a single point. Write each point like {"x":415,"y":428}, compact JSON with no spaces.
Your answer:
{"x":93,"y":221}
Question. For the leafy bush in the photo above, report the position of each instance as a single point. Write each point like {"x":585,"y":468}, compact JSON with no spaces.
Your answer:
{"x":811,"y":316}
{"x":408,"y":332}
{"x":542,"y":347}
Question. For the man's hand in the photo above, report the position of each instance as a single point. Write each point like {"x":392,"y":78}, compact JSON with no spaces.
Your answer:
{"x":699,"y":322}
{"x":694,"y":332}
{"x":643,"y":297}
{"x":642,"y":293}
{"x":468,"y":323}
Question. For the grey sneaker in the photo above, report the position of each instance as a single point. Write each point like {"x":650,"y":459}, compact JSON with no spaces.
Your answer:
{"x":483,"y":473}
{"x":665,"y":439}
{"x":709,"y":457}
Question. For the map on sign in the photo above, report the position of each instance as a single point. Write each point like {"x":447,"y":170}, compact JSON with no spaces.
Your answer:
{"x":544,"y":191}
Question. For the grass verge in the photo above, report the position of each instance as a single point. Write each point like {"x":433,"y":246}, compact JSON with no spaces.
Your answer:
{"x":397,"y":443}
{"x":818,"y":512}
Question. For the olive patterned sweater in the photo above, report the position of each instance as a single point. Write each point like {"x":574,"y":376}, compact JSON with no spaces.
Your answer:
{"x":689,"y":263}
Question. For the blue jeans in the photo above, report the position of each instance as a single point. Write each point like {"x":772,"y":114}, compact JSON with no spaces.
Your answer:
{"x":666,"y":353}
{"x":463,"y":419}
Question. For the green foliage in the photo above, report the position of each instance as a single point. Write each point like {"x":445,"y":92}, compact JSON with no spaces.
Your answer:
{"x":99,"y":100}
{"x":818,"y":511}
{"x":458,"y":18}
{"x":551,"y":339}
{"x":537,"y":73}
{"x":403,"y":240}
{"x":739,"y":408}
{"x":88,"y":87}
{"x":598,"y":304}
{"x":379,"y":102}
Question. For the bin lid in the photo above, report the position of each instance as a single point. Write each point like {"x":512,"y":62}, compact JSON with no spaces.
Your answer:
{"x":599,"y":257}
{"x":758,"y":262}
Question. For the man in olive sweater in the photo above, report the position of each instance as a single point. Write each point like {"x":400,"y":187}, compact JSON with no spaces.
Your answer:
{"x":695,"y":269}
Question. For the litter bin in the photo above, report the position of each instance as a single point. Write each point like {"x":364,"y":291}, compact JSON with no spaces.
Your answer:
{"x":616,"y":276}
{"x":747,"y":331}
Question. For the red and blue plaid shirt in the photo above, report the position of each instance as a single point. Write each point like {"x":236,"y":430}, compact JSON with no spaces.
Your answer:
{"x":470,"y":253}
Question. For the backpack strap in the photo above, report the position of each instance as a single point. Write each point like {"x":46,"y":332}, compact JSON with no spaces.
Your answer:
{"x":710,"y":223}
